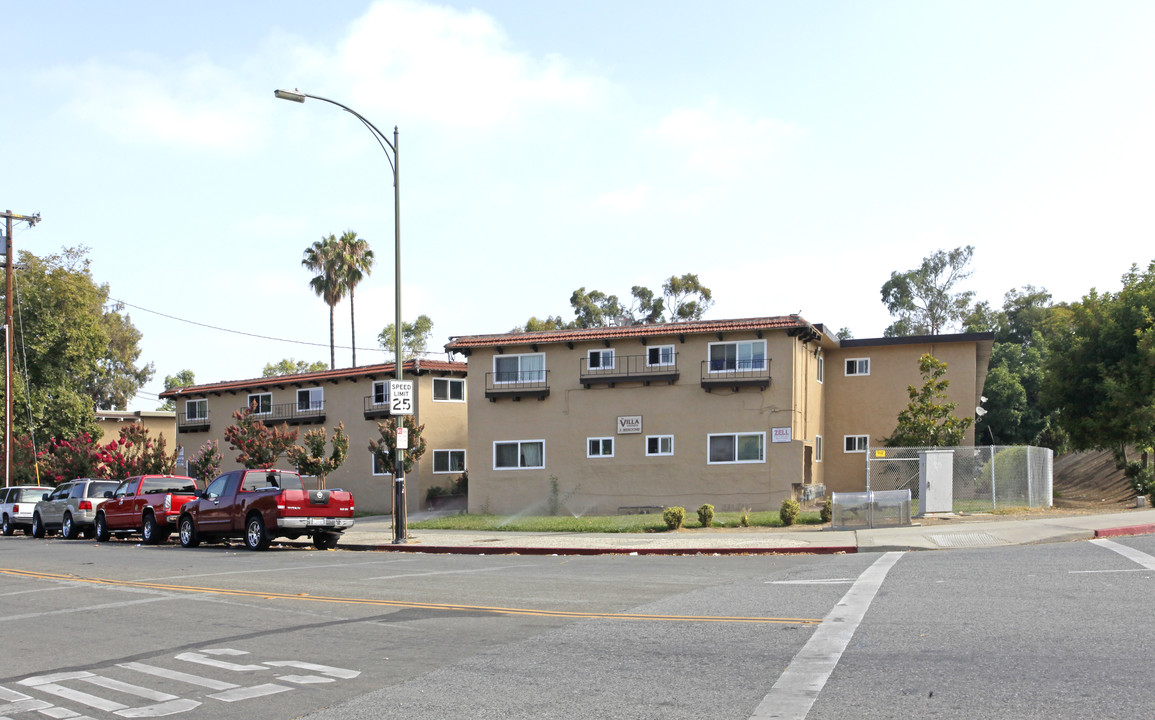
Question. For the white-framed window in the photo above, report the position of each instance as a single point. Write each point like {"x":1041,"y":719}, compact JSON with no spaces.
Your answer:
{"x":855,"y":443}
{"x":736,"y":448}
{"x":659,"y":445}
{"x":379,"y":466}
{"x":858,"y":366}
{"x":820,"y":371}
{"x":448,"y":461}
{"x":448,"y":390}
{"x":310,"y":398}
{"x":196,"y":409}
{"x":261,"y":403}
{"x":518,"y":454}
{"x":528,"y":368}
{"x":601,"y":359}
{"x":599,"y":447}
{"x":660,"y":355}
{"x":817,"y":448}
{"x":738,"y":356}
{"x":380,"y":392}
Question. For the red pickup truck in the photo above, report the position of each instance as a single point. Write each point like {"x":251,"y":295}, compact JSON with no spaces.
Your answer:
{"x":259,"y":505}
{"x":148,"y":504}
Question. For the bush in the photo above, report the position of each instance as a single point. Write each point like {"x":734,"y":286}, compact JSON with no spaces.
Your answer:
{"x":706,"y":515}
{"x":744,"y":521}
{"x":789,"y":511}
{"x":827,"y":511}
{"x":674,"y":517}
{"x":434,"y":492}
{"x":461,"y":484}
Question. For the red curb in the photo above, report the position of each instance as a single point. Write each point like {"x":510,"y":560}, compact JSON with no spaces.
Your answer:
{"x":1126,"y":530}
{"x":504,"y":550}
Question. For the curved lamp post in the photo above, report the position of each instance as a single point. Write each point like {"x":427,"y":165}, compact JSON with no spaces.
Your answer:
{"x":399,"y":525}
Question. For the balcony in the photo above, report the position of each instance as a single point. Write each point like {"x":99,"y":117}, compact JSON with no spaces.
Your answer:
{"x":735,"y":374}
{"x":516,"y":385}
{"x":194,"y":423}
{"x":629,"y":368}
{"x":303,"y":413}
{"x":376,"y":407}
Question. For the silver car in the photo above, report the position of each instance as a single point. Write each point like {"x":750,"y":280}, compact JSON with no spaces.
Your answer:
{"x":16,"y":506}
{"x":71,"y":508}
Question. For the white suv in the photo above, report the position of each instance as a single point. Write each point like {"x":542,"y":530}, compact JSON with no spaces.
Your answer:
{"x":71,"y":508}
{"x":16,"y":506}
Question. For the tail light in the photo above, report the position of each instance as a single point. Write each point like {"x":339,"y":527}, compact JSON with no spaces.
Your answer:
{"x":15,"y":509}
{"x":281,"y":503}
{"x":168,"y":502}
{"x":85,"y":505}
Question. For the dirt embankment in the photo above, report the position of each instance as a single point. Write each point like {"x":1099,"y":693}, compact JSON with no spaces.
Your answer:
{"x":1090,"y":480}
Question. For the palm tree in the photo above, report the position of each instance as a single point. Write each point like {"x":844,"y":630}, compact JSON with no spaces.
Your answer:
{"x":323,"y":257}
{"x":356,"y":261}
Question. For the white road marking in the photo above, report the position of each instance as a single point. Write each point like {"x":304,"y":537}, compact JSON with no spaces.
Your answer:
{"x":179,"y":676}
{"x":798,"y":687}
{"x":248,"y":693}
{"x":86,"y":608}
{"x":1095,"y":572}
{"x":334,"y":672}
{"x":294,"y":568}
{"x":206,"y":660}
{"x":44,"y":684}
{"x":831,"y":581}
{"x":443,"y":572}
{"x":1130,"y":553}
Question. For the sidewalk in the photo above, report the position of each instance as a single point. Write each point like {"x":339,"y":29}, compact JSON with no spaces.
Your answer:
{"x":375,"y":533}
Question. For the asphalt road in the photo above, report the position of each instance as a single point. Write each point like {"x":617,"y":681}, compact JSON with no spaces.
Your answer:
{"x":123,"y":630}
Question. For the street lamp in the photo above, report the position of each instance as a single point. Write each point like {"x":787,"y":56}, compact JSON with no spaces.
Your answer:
{"x":399,"y":533}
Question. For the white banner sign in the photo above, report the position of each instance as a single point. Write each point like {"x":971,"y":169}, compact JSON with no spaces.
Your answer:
{"x":780,"y":434}
{"x":630,"y":425}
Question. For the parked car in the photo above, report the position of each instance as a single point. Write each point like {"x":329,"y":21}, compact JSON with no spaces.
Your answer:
{"x":259,"y":505}
{"x":16,"y":506}
{"x":71,"y":508}
{"x":145,"y":504}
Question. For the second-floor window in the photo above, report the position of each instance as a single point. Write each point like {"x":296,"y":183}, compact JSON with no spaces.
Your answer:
{"x":261,"y":403}
{"x":660,"y":355}
{"x":601,"y":359}
{"x":529,"y":368}
{"x":196,"y":409}
{"x":858,"y":366}
{"x":738,"y":356}
{"x":448,"y":390}
{"x":380,"y":393}
{"x":310,"y":399}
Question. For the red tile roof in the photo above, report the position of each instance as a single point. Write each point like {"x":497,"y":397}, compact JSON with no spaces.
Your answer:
{"x":409,"y":367}
{"x":626,"y":331}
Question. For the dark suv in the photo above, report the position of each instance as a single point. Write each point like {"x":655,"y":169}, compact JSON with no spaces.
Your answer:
{"x":71,"y":508}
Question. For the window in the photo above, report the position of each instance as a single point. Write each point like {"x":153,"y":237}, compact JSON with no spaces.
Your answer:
{"x":738,"y":356}
{"x":599,"y":447}
{"x":659,"y":445}
{"x":601,"y":360}
{"x":856,"y":443}
{"x":858,"y":366}
{"x":380,"y":392}
{"x":310,"y":398}
{"x":448,"y":390}
{"x":448,"y":461}
{"x":196,"y":409}
{"x":518,"y":454}
{"x":660,"y":355}
{"x":519,"y":368}
{"x":817,"y":448}
{"x":381,"y":466}
{"x":736,"y":448}
{"x":821,"y":371}
{"x":261,"y":403}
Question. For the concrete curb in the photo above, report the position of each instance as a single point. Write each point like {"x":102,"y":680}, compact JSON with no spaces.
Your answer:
{"x":524,"y":550}
{"x":1125,"y":530}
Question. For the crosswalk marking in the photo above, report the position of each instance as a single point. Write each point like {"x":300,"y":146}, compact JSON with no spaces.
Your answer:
{"x":180,"y":676}
{"x":248,"y":693}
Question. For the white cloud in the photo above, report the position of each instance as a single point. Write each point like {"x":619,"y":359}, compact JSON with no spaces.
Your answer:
{"x":723,"y":141}
{"x":625,"y":201}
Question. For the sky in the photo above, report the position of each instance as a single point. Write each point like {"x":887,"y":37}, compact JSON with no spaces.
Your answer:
{"x":791,"y":154}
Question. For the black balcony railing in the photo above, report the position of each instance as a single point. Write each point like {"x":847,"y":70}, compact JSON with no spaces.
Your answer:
{"x":198,"y":422}
{"x":376,"y":406}
{"x":298,"y":413}
{"x":736,"y":373}
{"x":627,"y":368}
{"x":527,"y":383}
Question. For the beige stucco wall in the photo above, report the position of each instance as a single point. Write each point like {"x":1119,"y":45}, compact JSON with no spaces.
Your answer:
{"x":158,"y":423}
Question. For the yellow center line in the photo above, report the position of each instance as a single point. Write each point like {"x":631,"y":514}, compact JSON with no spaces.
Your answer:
{"x":406,"y":604}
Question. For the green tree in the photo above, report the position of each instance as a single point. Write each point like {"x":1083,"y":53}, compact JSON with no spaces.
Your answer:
{"x":928,"y":421}
{"x":183,"y":379}
{"x":414,"y":337}
{"x":924,"y":299}
{"x":258,"y":446}
{"x":549,"y":323}
{"x":117,"y":376}
{"x":291,"y":366}
{"x":385,"y":449}
{"x":311,"y":459}
{"x":355,"y":262}
{"x":685,"y":298}
{"x":324,"y":258}
{"x":594,"y":308}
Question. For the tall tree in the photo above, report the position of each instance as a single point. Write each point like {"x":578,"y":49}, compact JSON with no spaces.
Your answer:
{"x":324,"y":258}
{"x":118,"y":376}
{"x":311,"y":459}
{"x":385,"y":449}
{"x":258,"y":445}
{"x":414,"y":337}
{"x":929,"y":421}
{"x":292,"y":366}
{"x":685,"y":297}
{"x":183,"y":379}
{"x":355,"y":263}
{"x":924,"y":300}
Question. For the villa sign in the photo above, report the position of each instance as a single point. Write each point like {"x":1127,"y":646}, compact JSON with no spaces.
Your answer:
{"x":630,"y":425}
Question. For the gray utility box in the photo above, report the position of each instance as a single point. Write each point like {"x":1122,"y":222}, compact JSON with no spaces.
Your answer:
{"x":870,"y":509}
{"x":935,"y":481}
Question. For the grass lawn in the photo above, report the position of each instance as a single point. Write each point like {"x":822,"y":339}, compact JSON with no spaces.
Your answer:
{"x":600,"y":523}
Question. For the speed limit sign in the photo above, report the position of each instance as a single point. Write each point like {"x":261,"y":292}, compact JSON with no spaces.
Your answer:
{"x":400,"y":397}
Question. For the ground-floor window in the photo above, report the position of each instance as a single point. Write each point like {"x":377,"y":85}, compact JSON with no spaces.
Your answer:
{"x":448,"y":461}
{"x":856,"y":443}
{"x":817,"y":448}
{"x":736,"y":448}
{"x":659,"y":445}
{"x":518,"y":454}
{"x":380,"y":467}
{"x":600,"y":447}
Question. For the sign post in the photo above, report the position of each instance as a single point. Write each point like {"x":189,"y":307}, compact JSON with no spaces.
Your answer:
{"x":400,"y":405}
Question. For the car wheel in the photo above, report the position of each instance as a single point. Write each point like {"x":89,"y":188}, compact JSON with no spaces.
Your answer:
{"x":325,"y":541}
{"x":188,"y":533}
{"x":7,"y":529}
{"x":68,"y":529}
{"x":102,"y":534}
{"x":256,"y":538}
{"x":37,"y":526}
{"x":149,"y":530}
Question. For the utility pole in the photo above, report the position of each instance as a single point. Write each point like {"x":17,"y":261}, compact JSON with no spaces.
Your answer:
{"x":9,"y":217}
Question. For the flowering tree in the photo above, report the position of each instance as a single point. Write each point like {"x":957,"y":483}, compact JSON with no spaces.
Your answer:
{"x":134,"y":453}
{"x":385,"y":449}
{"x":311,"y":460}
{"x":258,"y":445}
{"x":206,"y":464}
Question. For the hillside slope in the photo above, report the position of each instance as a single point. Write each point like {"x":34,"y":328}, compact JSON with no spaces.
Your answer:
{"x":1090,"y":479}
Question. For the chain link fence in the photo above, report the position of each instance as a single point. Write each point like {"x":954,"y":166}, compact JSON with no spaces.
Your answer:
{"x":985,"y":478}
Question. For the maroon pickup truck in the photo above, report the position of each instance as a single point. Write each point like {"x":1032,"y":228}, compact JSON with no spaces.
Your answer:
{"x":148,"y":504}
{"x":259,"y":505}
